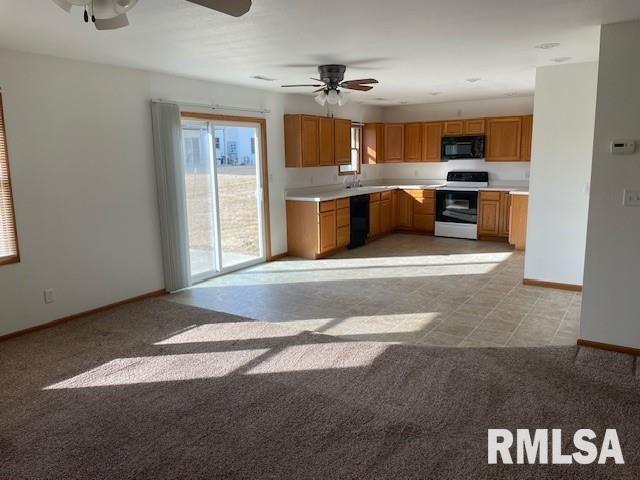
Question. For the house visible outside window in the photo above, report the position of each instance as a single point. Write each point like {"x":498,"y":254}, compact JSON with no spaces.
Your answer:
{"x":8,"y":236}
{"x":253,"y":146}
{"x":356,"y":152}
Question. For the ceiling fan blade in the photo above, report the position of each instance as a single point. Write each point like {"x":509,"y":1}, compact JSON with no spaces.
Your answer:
{"x":118,"y":21}
{"x":235,"y":8}
{"x":63,"y":4}
{"x":362,"y":88}
{"x":361,"y":81}
{"x":304,"y":85}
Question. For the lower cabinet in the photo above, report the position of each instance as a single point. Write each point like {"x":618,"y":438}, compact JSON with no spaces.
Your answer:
{"x":493,"y":219}
{"x":315,"y":229}
{"x":518,"y":221}
{"x":404,"y":210}
{"x":423,"y":204}
{"x":380,"y":213}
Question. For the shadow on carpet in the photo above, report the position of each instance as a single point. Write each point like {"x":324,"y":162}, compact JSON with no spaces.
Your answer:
{"x":157,"y":390}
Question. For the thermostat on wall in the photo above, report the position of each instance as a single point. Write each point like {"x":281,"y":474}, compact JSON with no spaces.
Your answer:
{"x":623,"y":147}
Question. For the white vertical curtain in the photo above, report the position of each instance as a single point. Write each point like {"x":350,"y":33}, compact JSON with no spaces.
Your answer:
{"x":167,"y":146}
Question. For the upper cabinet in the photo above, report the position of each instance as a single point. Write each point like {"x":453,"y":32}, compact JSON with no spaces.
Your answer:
{"x":504,"y":137}
{"x":342,"y":136}
{"x":474,"y":126}
{"x":454,"y":127}
{"x":373,"y":143}
{"x":394,"y":142}
{"x":311,"y":141}
{"x":413,"y":142}
{"x":527,"y":136}
{"x":431,"y":141}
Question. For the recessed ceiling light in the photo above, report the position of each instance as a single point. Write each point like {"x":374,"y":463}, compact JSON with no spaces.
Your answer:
{"x":380,"y":99}
{"x":547,"y":46}
{"x":560,"y":59}
{"x":263,"y":78}
{"x":473,"y":79}
{"x":434,"y":93}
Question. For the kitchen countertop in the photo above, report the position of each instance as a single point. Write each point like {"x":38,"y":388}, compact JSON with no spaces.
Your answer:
{"x":331,"y":192}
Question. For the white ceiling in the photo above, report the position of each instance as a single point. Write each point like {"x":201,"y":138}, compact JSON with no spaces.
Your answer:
{"x":413,"y":47}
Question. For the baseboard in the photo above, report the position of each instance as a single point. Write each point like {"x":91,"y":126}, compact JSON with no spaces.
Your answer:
{"x":560,"y":286}
{"x":75,"y":316}
{"x":609,"y":347}
{"x":279,"y":256}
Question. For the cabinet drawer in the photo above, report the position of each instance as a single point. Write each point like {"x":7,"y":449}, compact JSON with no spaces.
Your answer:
{"x":424,"y":206}
{"x":343,"y":217}
{"x":343,"y":202}
{"x":493,"y":196}
{"x":374,"y":197}
{"x":416,"y":193}
{"x":327,"y":206}
{"x":344,"y":236}
{"x":385,"y":195}
{"x":429,"y":194}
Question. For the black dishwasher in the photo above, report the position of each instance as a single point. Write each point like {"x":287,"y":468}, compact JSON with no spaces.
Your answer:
{"x":359,"y":220}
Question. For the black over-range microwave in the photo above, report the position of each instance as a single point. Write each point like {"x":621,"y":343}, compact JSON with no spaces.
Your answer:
{"x":469,"y":146}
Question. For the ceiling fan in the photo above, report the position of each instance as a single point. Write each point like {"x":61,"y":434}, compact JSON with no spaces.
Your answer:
{"x":112,"y":14}
{"x":332,"y":78}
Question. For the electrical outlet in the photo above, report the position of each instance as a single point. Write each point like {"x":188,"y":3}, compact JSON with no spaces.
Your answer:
{"x":310,"y":180}
{"x":49,"y":296}
{"x":631,"y":198}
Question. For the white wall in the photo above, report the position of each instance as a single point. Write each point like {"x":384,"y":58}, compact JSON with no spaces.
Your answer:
{"x":502,"y":171}
{"x":80,"y":147}
{"x":611,"y":300}
{"x":564,"y":115}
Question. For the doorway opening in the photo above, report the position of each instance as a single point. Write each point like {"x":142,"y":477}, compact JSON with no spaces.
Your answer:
{"x":226,"y":196}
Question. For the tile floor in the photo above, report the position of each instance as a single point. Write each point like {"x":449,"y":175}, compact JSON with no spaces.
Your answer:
{"x":403,"y":288}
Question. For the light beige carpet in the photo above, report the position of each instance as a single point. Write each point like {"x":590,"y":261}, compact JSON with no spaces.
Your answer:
{"x":157,"y":390}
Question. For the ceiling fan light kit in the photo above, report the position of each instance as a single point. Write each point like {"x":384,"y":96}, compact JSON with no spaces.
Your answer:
{"x":112,"y":14}
{"x":330,"y":90}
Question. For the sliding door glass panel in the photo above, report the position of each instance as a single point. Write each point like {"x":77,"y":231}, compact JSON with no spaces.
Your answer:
{"x":200,"y":197}
{"x":239,"y":193}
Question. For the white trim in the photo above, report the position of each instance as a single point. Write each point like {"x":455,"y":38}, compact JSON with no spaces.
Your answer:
{"x":215,"y":106}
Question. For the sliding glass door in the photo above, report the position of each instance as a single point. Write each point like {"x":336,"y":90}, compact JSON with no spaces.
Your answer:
{"x":225,"y":208}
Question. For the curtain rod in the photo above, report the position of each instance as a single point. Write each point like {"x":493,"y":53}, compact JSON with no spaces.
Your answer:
{"x":215,"y":106}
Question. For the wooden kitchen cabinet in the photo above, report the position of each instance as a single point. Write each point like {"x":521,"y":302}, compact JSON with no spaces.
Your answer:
{"x":527,"y":137}
{"x":432,"y":142}
{"x":423,"y":210}
{"x":386,"y":217}
{"x":373,"y":143}
{"x":325,"y":141}
{"x":404,"y":210}
{"x":413,"y":142}
{"x":489,"y":215}
{"x":474,"y":126}
{"x":504,"y":139}
{"x":394,"y":142}
{"x":374,"y":219}
{"x":310,"y":141}
{"x":327,"y":233}
{"x":505,"y":211}
{"x":518,"y":221}
{"x":454,"y":127}
{"x":342,"y":137}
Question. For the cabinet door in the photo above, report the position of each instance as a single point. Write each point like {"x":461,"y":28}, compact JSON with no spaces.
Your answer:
{"x":309,"y":139}
{"x":413,"y":142}
{"x":342,"y":133}
{"x":431,"y":142}
{"x":327,"y":231}
{"x":325,"y":141}
{"x":527,"y":134}
{"x":386,"y":219}
{"x":503,"y":139}
{"x":454,"y":127}
{"x":505,"y":208}
{"x":374,"y":219}
{"x":394,"y":142}
{"x":489,"y":219}
{"x":474,"y":127}
{"x":404,"y":211}
{"x":344,"y":236}
{"x":373,"y":143}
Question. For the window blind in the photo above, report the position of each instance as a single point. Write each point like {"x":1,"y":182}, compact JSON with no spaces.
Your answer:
{"x":8,"y":240}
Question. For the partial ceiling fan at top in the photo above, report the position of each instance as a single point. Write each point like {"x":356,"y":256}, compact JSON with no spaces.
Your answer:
{"x":112,"y":14}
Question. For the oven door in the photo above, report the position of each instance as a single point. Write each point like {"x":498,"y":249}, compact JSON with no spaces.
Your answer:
{"x":457,"y":206}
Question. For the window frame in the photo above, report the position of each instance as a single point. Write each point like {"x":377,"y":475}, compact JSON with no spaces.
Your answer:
{"x":11,"y":259}
{"x":359,"y":161}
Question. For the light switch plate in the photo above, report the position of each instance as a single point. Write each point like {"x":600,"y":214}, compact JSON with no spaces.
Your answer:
{"x":631,"y":198}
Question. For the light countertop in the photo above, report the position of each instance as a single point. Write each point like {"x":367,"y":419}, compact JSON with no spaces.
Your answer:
{"x":331,"y":192}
